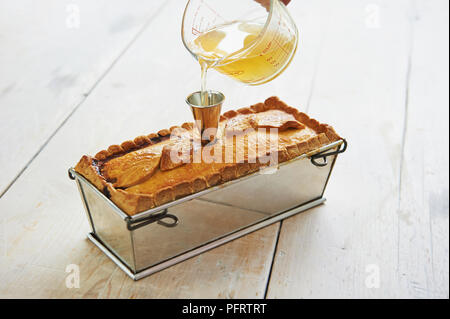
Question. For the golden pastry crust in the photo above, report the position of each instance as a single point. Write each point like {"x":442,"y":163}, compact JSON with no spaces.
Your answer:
{"x":158,"y":180}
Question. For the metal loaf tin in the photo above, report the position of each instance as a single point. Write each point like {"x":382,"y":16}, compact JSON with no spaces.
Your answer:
{"x":163,"y":236}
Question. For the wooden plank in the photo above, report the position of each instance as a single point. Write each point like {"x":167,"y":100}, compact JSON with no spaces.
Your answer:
{"x":238,"y":269}
{"x":348,"y":247}
{"x":423,"y":203}
{"x":52,"y":54}
{"x":229,"y":271}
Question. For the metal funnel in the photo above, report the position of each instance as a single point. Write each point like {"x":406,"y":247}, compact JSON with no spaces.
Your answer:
{"x":207,"y":114}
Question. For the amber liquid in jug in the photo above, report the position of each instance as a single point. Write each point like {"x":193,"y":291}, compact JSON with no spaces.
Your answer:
{"x":235,"y":50}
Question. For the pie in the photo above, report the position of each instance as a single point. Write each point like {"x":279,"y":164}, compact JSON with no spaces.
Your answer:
{"x":161,"y":167}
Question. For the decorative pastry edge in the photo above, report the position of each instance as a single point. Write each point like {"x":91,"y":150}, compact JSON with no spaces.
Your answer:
{"x":135,"y":203}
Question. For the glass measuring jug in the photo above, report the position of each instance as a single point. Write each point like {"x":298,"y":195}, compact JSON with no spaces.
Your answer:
{"x":252,"y":41}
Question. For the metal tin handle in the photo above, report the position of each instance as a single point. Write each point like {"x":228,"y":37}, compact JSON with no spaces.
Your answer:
{"x":158,"y":218}
{"x":71,"y":176}
{"x":323,"y":155}
{"x":166,"y":224}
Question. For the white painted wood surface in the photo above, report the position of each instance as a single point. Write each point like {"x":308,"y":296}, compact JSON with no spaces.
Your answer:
{"x":377,"y":222}
{"x":423,"y":202}
{"x":52,"y":55}
{"x":376,"y":70}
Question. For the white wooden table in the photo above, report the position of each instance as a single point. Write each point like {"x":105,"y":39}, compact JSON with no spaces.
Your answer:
{"x":77,"y":76}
